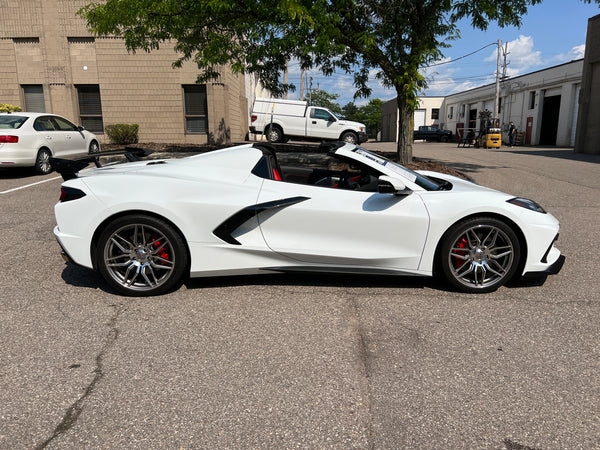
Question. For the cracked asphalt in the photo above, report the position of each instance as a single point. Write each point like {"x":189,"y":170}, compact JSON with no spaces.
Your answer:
{"x":306,"y":361}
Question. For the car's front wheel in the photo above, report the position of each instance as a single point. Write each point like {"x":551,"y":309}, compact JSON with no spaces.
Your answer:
{"x":350,"y":137}
{"x":479,"y":254}
{"x":42,"y":162}
{"x":141,"y":255}
{"x":94,"y":147}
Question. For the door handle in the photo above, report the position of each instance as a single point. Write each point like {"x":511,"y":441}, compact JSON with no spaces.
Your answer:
{"x":314,"y":122}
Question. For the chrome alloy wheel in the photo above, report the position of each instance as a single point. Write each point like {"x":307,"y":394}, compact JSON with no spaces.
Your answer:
{"x":139,"y":257}
{"x":42,"y":162}
{"x":482,"y":256}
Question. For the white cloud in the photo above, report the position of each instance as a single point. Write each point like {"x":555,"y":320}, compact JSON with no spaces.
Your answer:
{"x":521,"y":56}
{"x":577,"y":52}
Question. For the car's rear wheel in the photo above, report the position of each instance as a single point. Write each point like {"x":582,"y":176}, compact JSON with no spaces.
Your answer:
{"x":140,"y":255}
{"x":42,"y":162}
{"x":479,"y":254}
{"x":350,"y":137}
{"x":94,"y":147}
{"x":275,"y":134}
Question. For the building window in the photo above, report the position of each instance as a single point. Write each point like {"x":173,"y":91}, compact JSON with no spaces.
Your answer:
{"x":90,"y":108}
{"x":451,"y":112}
{"x":435,"y":113}
{"x":532,"y":100}
{"x":196,"y":109}
{"x":34,"y":98}
{"x":499,"y":105}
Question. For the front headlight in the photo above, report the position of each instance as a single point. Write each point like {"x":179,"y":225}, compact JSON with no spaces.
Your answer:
{"x":527,"y":204}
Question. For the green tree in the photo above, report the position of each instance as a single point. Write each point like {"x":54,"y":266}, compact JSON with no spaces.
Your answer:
{"x":371,"y":115}
{"x":324,"y":99}
{"x":395,"y":38}
{"x":349,"y":111}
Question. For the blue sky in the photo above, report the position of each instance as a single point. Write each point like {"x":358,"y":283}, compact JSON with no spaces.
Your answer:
{"x":552,"y":33}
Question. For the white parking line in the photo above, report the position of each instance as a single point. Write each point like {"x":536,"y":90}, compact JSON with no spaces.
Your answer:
{"x":29,"y":185}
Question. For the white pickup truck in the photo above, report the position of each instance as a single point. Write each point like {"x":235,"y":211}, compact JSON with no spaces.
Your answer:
{"x":285,"y":119}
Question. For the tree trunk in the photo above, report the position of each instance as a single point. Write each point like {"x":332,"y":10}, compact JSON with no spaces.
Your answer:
{"x":406,"y":121}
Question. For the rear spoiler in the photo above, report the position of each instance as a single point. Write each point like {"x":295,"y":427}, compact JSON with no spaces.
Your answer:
{"x":68,"y":168}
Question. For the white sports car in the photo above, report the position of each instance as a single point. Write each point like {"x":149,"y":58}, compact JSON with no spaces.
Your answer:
{"x":146,"y":225}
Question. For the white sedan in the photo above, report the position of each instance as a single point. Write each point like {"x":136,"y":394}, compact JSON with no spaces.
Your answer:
{"x":145,"y":226}
{"x":31,"y":139}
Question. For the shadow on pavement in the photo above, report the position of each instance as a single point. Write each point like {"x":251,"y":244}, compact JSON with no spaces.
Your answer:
{"x":560,"y":153}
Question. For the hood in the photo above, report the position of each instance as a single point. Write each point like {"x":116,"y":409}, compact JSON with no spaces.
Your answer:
{"x":458,"y":184}
{"x":362,"y":126}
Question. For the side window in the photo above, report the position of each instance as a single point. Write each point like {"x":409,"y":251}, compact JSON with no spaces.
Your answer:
{"x":322,"y":114}
{"x":44,"y":123}
{"x":90,"y":108}
{"x":34,"y":98}
{"x":64,"y":125}
{"x":196,"y":109}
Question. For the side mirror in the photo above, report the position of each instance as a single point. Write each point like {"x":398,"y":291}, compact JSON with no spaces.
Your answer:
{"x":80,"y":129}
{"x":391,"y":185}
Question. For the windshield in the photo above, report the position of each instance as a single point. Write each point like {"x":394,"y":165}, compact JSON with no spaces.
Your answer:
{"x":420,"y":180}
{"x":10,"y":121}
{"x":337,"y":115}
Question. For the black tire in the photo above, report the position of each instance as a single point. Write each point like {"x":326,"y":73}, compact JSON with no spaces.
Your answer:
{"x":42,"y":162}
{"x":94,"y":147}
{"x":275,"y":134}
{"x":349,"y":137}
{"x":479,"y":254}
{"x":141,"y":255}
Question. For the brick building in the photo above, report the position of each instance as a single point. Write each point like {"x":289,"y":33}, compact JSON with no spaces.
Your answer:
{"x":51,"y":63}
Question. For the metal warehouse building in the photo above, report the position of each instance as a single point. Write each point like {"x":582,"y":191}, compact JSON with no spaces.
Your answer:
{"x":558,"y":106}
{"x":543,"y":104}
{"x":51,"y":63}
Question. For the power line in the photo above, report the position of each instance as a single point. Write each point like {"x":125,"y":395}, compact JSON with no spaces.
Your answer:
{"x":460,"y":57}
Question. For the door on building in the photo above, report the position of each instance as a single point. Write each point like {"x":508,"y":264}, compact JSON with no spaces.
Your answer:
{"x":550,"y":113}
{"x":460,"y":131}
{"x":419,"y":118}
{"x":529,"y":131}
{"x":473,"y":118}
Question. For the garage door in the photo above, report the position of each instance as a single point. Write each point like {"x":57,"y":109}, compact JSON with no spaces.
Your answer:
{"x":419,"y":118}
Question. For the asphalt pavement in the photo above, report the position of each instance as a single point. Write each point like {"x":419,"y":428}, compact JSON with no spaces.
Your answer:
{"x":279,"y":361}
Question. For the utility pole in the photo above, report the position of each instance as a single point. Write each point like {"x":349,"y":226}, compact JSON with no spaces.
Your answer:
{"x":497,"y":102}
{"x":302,"y":75}
{"x":505,"y":65}
{"x":285,"y":79}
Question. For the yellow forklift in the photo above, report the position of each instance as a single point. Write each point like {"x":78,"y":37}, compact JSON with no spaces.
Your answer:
{"x":490,"y":135}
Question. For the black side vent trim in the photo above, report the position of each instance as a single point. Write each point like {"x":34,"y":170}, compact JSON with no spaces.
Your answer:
{"x":225,"y":230}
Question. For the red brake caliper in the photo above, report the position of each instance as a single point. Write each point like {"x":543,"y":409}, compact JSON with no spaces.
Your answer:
{"x":460,"y":244}
{"x":162,"y":252}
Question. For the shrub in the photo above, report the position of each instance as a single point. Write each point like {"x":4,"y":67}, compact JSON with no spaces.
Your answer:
{"x":4,"y":107}
{"x":122,"y":133}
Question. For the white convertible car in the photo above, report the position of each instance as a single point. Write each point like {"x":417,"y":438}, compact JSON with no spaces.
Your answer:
{"x":146,"y":225}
